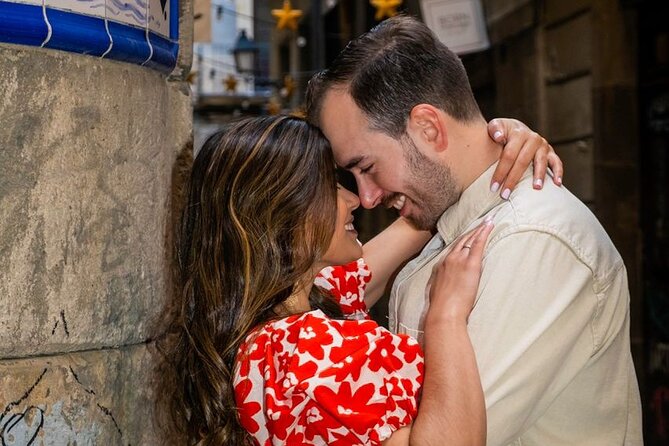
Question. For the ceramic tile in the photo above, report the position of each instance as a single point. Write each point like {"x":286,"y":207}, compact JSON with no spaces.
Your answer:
{"x":159,"y":17}
{"x":129,"y":12}
{"x":94,"y":8}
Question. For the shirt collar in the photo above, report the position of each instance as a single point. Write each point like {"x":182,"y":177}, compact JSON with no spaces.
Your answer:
{"x":476,"y":201}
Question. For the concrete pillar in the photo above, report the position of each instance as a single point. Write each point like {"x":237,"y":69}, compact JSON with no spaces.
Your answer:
{"x":89,"y":147}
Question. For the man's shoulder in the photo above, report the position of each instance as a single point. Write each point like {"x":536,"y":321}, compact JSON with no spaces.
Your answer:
{"x":555,"y":211}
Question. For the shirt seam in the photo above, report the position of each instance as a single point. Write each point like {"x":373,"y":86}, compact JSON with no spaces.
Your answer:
{"x":600,"y":281}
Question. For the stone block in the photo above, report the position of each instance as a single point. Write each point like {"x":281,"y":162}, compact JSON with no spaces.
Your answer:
{"x":578,"y":164}
{"x":514,"y":22}
{"x":616,"y":124}
{"x":569,"y":48}
{"x":88,"y":149}
{"x":495,"y":10}
{"x":186,"y":31}
{"x":555,"y":10}
{"x":569,"y":110}
{"x":517,"y":79}
{"x":90,"y":398}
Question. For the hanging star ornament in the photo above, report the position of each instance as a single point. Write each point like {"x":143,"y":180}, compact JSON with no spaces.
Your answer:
{"x":273,"y":107}
{"x":288,"y":86}
{"x":230,"y":83}
{"x":287,"y":16}
{"x":385,"y":8}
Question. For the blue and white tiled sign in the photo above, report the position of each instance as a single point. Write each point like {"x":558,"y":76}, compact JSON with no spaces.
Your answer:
{"x":137,"y":31}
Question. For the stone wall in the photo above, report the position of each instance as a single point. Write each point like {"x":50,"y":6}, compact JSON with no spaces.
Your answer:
{"x":87,"y":160}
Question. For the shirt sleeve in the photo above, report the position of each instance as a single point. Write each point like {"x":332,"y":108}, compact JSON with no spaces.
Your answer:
{"x":347,"y":284}
{"x":531,"y":337}
{"x":360,"y":381}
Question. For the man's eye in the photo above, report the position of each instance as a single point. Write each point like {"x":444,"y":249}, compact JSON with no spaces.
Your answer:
{"x":366,"y":169}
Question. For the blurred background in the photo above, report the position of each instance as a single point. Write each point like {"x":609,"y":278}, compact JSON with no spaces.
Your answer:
{"x":102,"y":103}
{"x":592,"y":76}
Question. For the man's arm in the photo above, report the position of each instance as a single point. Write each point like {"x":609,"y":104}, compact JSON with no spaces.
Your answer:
{"x":531,"y":328}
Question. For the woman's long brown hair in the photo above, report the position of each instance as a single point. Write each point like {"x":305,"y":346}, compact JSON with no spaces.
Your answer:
{"x":261,"y":210}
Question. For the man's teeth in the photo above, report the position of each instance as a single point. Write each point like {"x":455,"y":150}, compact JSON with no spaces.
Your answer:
{"x":349,"y":227}
{"x":399,"y":203}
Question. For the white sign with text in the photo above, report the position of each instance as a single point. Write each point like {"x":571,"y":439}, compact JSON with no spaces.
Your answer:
{"x":459,"y":24}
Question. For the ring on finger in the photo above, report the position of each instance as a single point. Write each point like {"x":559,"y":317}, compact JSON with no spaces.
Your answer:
{"x":467,"y":247}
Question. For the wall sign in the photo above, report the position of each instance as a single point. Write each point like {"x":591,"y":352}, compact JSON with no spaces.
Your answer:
{"x":459,"y":24}
{"x":144,"y":32}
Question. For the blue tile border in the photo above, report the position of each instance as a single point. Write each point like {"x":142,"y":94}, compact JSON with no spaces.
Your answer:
{"x":77,"y":33}
{"x":68,"y":31}
{"x":22,"y":24}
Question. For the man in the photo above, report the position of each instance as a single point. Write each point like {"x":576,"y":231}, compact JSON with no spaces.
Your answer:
{"x":550,"y":327}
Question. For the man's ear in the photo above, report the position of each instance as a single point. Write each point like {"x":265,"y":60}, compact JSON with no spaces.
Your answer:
{"x":426,"y":125}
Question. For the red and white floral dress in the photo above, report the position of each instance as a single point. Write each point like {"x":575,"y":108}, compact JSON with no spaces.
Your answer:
{"x":311,"y":380}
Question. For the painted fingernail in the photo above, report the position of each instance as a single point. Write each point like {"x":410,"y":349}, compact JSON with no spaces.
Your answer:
{"x":559,"y":180}
{"x":498,"y":134}
{"x":506,"y":194}
{"x":538,"y":183}
{"x":495,"y":187}
{"x":488,"y":220}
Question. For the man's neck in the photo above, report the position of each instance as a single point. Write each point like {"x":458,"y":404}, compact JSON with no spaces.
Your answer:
{"x":471,"y":152}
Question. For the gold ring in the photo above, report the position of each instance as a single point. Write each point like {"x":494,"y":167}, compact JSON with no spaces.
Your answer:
{"x":467,"y":246}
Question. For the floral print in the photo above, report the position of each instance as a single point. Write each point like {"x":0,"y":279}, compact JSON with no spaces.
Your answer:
{"x":311,"y":380}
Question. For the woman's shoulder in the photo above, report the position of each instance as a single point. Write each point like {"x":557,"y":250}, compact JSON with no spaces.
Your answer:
{"x":347,"y":283}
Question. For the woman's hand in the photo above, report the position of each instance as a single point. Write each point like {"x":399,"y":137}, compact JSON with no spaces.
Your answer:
{"x":455,"y":279}
{"x":522,"y":146}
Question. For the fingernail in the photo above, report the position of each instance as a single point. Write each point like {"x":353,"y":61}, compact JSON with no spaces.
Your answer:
{"x":559,"y":180}
{"x":538,"y":183}
{"x":488,"y":220}
{"x":495,"y":187}
{"x":498,"y":134}
{"x":506,"y":194}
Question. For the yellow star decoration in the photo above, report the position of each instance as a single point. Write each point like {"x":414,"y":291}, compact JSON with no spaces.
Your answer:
{"x":385,"y":8}
{"x":288,"y":86}
{"x":273,"y":107}
{"x":287,"y":16}
{"x":230,"y":83}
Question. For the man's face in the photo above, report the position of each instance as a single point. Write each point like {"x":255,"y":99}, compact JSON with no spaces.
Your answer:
{"x":387,"y":171}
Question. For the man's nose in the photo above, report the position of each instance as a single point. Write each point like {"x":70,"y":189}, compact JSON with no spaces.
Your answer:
{"x":370,"y":194}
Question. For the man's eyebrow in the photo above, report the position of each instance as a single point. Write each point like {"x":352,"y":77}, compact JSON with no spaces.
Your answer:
{"x":354,"y":162}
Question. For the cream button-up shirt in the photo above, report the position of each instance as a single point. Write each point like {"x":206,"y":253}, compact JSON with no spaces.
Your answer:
{"x":550,"y":326}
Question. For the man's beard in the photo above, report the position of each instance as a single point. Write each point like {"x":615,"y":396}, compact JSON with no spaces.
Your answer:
{"x":431,"y":185}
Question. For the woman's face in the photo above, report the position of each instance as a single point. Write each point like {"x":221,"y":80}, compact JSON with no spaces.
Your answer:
{"x":344,"y":246}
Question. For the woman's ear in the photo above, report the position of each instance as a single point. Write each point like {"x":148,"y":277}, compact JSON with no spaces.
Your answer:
{"x":426,"y":125}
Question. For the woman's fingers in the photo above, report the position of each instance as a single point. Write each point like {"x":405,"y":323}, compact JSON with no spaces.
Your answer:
{"x":522,"y":148}
{"x":479,"y":239}
{"x":555,"y":163}
{"x":506,"y":161}
{"x":526,"y":154}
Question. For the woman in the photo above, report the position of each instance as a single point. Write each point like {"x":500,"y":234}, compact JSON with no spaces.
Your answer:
{"x":260,"y":353}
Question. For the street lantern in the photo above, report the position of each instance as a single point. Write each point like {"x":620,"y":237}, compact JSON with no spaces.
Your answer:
{"x":245,"y":52}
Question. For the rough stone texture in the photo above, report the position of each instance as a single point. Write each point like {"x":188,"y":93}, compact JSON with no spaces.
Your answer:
{"x":85,"y":178}
{"x":90,"y":398}
{"x":569,"y":110}
{"x":89,"y":178}
{"x":517,"y":79}
{"x":564,"y":57}
{"x":556,"y":10}
{"x":578,"y":164}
